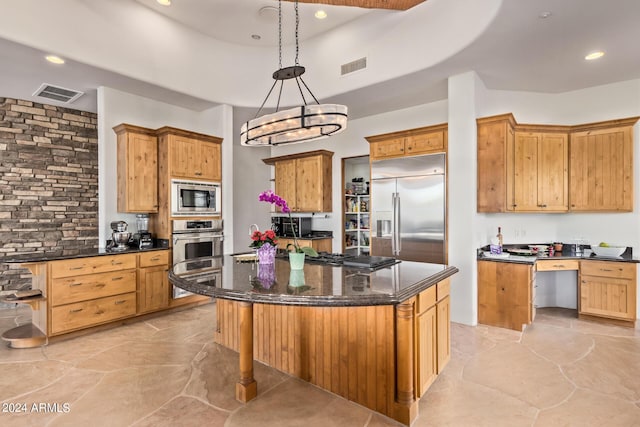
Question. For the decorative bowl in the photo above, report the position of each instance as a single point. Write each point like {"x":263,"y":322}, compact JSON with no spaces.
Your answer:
{"x":608,"y":251}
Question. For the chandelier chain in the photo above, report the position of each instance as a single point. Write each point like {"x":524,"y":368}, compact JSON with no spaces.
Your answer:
{"x":297,"y":25}
{"x":280,"y":33}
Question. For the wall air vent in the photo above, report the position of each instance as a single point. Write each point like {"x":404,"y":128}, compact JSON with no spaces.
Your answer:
{"x":358,"y":64}
{"x":58,"y":93}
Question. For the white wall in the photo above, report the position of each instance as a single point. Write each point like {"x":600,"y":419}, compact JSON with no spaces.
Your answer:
{"x":115,"y":107}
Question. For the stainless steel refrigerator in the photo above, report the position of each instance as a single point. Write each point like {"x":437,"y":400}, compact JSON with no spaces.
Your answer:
{"x":408,"y":208}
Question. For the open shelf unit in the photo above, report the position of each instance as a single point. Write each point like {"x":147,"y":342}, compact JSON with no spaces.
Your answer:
{"x":357,"y":223}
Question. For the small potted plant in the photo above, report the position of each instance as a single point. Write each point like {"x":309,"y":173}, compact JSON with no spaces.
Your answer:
{"x":265,"y":244}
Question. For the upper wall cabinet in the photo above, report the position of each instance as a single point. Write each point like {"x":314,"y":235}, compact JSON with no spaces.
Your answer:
{"x":137,"y":169}
{"x":304,"y":180}
{"x":540,"y":172}
{"x":542,"y":168}
{"x":601,"y":167}
{"x":413,"y":142}
{"x":192,"y":155}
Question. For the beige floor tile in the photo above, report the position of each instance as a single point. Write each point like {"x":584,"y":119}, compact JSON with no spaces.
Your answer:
{"x":17,"y":379}
{"x":559,"y":345}
{"x":216,"y":371}
{"x":612,"y":368}
{"x":553,"y":316}
{"x":125,"y":396}
{"x":185,"y":412}
{"x":516,"y":371}
{"x":463,"y":403}
{"x":588,"y":409}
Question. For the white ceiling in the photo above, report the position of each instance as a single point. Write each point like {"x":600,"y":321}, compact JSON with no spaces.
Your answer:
{"x":513,"y":49}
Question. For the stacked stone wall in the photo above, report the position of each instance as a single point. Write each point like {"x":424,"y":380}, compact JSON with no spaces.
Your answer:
{"x":48,"y":183}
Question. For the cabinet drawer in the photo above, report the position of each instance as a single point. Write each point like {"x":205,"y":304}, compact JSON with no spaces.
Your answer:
{"x":608,"y":269}
{"x":443,"y":289}
{"x":67,"y":290}
{"x":152,"y":259}
{"x":89,"y":313}
{"x":99,"y":264}
{"x":426,"y":299}
{"x":557,"y":265}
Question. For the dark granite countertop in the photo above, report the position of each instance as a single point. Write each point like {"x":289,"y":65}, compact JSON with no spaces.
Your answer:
{"x":70,"y":254}
{"x":627,"y":256}
{"x":316,"y":285}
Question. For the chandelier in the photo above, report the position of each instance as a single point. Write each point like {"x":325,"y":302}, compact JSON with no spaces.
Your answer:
{"x":307,"y":122}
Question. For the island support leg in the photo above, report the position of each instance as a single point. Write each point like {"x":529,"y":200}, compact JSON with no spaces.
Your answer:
{"x":406,"y":406}
{"x":246,"y":388}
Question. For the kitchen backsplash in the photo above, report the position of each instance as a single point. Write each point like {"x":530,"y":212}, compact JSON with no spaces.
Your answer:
{"x":48,"y":182}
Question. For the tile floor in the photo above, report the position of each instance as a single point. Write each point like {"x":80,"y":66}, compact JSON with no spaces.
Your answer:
{"x":168,"y":372}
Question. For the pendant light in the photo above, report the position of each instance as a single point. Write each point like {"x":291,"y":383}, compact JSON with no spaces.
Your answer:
{"x":307,"y":122}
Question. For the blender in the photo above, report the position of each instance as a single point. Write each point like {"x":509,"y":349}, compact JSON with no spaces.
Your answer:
{"x":143,"y":237}
{"x":120,"y":236}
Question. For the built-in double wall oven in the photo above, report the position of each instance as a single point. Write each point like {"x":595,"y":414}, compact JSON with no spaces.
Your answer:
{"x":195,"y":242}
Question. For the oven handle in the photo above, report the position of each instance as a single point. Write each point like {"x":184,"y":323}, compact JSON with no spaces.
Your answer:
{"x":197,"y":236}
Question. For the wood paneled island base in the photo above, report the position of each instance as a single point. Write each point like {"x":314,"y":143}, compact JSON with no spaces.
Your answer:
{"x":364,"y":354}
{"x":377,"y":337}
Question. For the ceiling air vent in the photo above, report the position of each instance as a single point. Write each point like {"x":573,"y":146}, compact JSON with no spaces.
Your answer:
{"x":57,"y":93}
{"x":358,"y":64}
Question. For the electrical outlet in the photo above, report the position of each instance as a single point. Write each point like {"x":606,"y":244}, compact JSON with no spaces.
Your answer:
{"x":523,"y":233}
{"x":517,"y":233}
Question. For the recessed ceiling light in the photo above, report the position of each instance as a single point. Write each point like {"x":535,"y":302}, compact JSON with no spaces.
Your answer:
{"x":164,"y":2}
{"x":320,"y":14}
{"x":544,"y":15}
{"x":594,"y":55}
{"x":255,"y":36}
{"x":54,"y":59}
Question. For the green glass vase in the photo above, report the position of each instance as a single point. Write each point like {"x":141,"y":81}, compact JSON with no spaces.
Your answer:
{"x":296,"y":260}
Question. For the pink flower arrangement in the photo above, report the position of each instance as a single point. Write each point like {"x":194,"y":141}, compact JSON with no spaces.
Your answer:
{"x":271,"y":197}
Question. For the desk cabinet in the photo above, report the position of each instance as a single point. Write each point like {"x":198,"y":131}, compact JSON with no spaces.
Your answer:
{"x":608,"y":289}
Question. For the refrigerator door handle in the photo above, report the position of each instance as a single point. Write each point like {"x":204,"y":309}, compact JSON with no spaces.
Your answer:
{"x":393,"y":223}
{"x":398,"y":225}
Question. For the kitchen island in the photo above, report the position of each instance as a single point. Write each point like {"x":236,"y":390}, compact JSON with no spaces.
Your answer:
{"x":375,"y":337}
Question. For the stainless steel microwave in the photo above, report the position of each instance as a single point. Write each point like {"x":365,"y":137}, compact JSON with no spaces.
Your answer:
{"x":195,"y":198}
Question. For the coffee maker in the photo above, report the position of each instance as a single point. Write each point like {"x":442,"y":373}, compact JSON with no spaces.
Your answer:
{"x":120,"y":236}
{"x":143,"y":237}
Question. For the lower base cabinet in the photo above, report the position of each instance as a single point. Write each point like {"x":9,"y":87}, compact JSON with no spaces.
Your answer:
{"x":84,"y":314}
{"x":608,"y":289}
{"x":320,"y":245}
{"x":153,"y":281}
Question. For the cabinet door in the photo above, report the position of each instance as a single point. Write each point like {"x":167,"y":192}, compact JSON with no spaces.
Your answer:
{"x":154,"y":288}
{"x":426,"y":350}
{"x":432,"y":142}
{"x":286,"y":182}
{"x":504,"y":294}
{"x":386,"y":149}
{"x":137,"y":173}
{"x":210,"y":161}
{"x":601,"y":170}
{"x":608,"y":297}
{"x":185,"y":162}
{"x":553,"y":164}
{"x":444,"y":332}
{"x":309,"y":183}
{"x":525,"y":171}
{"x":495,"y":192}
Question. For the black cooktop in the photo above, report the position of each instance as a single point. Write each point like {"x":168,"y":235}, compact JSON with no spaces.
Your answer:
{"x":358,"y":261}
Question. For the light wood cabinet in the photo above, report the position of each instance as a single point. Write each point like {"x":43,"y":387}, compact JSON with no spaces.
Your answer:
{"x":601,"y":167}
{"x":495,"y":152}
{"x":413,"y":142}
{"x":304,"y":180}
{"x":320,"y":245}
{"x":153,"y":281}
{"x":505,"y":294}
{"x":608,"y":289}
{"x":433,"y":334}
{"x":544,"y":168}
{"x":137,"y":182}
{"x":540,"y":172}
{"x":182,"y":155}
{"x":86,"y":292}
{"x":193,"y":158}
